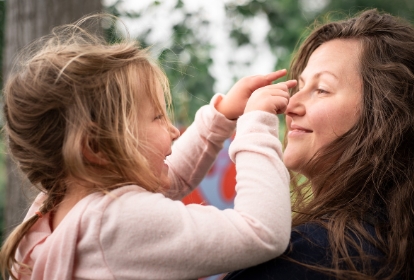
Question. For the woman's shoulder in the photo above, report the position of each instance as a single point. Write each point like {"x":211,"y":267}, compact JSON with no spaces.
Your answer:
{"x":310,"y":233}
{"x":309,"y":245}
{"x":313,"y":239}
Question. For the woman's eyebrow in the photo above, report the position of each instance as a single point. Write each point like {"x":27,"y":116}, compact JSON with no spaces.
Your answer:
{"x":318,"y":74}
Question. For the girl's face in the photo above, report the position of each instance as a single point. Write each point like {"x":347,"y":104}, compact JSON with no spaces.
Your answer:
{"x":327,"y":104}
{"x":159,"y":135}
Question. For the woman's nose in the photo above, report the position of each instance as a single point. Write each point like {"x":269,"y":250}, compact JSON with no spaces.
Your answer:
{"x":296,"y":105}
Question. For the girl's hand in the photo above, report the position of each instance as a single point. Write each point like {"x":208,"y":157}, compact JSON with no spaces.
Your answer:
{"x":233,"y":104}
{"x":271,"y":98}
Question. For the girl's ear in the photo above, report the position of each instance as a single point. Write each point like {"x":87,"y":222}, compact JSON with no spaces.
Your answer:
{"x":90,"y":151}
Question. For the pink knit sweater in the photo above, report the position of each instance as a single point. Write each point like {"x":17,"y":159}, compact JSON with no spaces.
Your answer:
{"x":135,"y":234}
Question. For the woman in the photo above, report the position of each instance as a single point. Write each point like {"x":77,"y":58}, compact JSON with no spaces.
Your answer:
{"x":351,"y":133}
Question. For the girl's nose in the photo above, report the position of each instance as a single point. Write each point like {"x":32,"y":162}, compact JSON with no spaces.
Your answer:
{"x":174,"y":132}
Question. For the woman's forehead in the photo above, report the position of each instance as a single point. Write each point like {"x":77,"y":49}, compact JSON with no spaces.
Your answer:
{"x":336,"y":60}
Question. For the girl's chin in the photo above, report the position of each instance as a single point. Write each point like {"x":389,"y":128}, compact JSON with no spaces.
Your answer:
{"x":165,"y":183}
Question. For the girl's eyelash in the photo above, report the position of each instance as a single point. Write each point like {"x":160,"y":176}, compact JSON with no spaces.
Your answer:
{"x":159,"y":117}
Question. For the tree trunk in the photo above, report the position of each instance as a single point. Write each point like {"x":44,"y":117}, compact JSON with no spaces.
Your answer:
{"x":27,"y":20}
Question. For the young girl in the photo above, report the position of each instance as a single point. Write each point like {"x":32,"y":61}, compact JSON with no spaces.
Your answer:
{"x":87,"y":123}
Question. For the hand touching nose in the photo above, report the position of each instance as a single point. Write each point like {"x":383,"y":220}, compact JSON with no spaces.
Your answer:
{"x":272,"y":98}
{"x":234,"y":103}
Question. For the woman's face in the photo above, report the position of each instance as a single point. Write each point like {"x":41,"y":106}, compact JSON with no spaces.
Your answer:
{"x":327,"y":104}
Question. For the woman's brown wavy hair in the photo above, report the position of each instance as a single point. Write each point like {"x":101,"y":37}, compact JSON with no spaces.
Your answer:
{"x":70,"y":91}
{"x":372,"y":177}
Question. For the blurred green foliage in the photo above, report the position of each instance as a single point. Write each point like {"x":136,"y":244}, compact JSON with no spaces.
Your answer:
{"x":188,"y":59}
{"x":186,"y":62}
{"x":289,"y":19}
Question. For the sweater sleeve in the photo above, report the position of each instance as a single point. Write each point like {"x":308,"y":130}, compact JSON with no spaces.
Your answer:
{"x":195,"y":151}
{"x":145,"y":235}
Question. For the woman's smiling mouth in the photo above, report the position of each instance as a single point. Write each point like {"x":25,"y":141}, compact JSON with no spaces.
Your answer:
{"x":297,"y":130}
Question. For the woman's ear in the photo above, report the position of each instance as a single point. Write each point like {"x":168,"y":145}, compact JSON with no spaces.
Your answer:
{"x":91,"y":152}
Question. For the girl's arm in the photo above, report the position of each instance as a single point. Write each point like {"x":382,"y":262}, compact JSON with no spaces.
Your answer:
{"x":195,"y":151}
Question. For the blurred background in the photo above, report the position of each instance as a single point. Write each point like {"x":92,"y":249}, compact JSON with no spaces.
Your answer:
{"x":203,"y":46}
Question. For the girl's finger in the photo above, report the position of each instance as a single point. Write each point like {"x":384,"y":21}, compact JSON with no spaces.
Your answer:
{"x":255,"y":82}
{"x":275,"y":75}
{"x":291,"y":83}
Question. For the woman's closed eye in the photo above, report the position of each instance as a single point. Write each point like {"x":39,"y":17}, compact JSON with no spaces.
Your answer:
{"x":321,"y":91}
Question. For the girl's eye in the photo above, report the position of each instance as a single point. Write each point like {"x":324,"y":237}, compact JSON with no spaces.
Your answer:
{"x":159,"y":117}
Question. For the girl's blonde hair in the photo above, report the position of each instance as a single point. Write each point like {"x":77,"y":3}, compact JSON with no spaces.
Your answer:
{"x":73,"y":91}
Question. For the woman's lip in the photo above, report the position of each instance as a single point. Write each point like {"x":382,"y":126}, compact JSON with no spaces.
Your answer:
{"x":300,"y":130}
{"x":297,"y":132}
{"x":297,"y":128}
